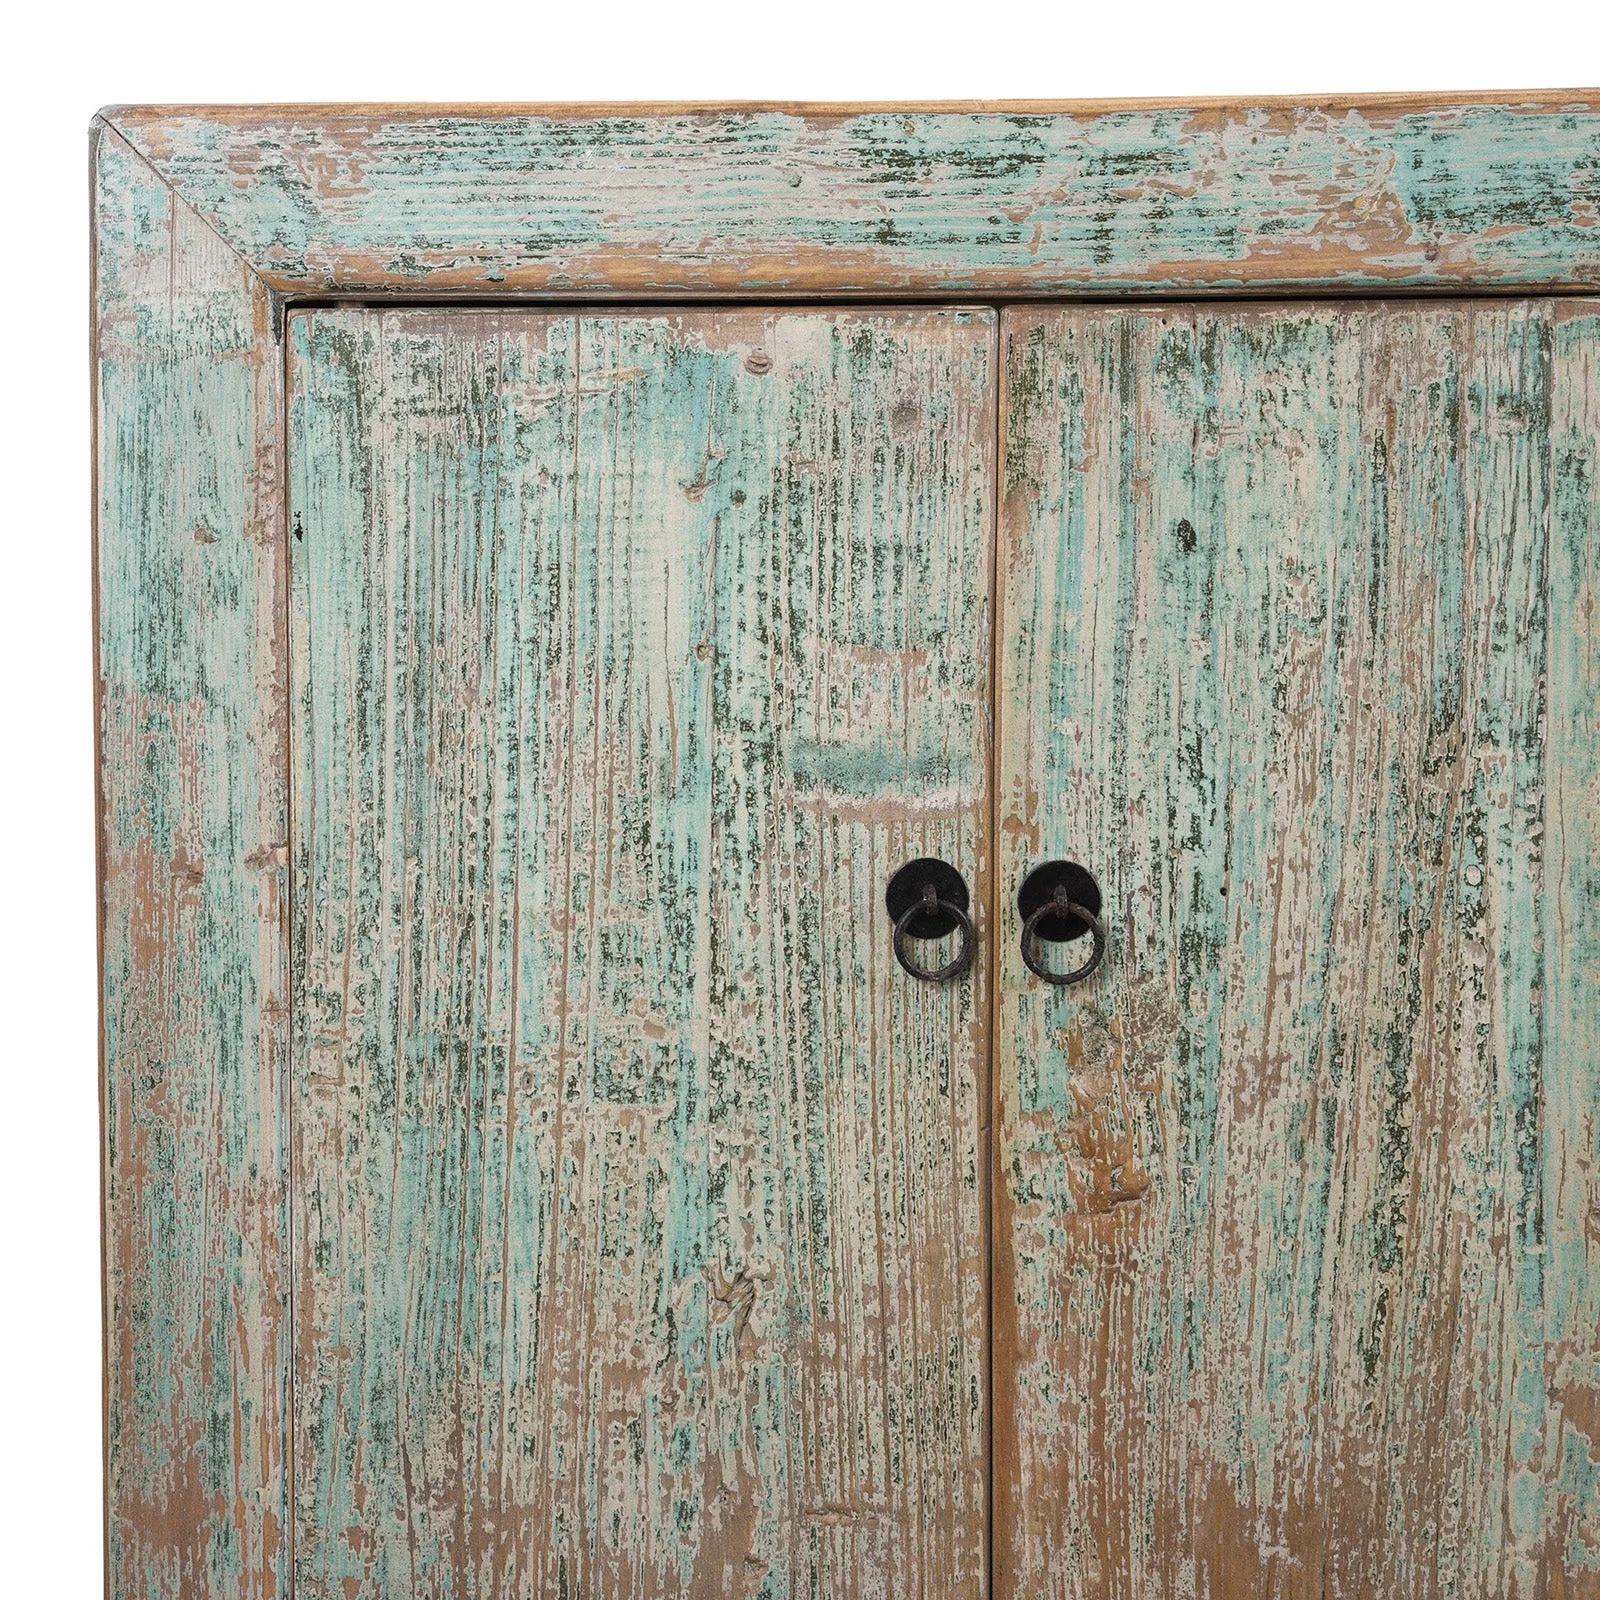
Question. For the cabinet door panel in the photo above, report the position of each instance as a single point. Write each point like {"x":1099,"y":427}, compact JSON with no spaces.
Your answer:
{"x":639,"y":1205}
{"x":1297,"y":1261}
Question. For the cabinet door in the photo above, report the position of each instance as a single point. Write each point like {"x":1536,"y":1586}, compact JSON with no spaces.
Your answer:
{"x":638,"y":1193}
{"x":1297,"y":1239}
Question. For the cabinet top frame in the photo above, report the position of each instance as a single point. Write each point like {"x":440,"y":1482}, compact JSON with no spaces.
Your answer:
{"x":1494,"y":192}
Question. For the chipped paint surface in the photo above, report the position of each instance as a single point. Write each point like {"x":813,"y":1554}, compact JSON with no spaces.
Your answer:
{"x":193,"y":830}
{"x":1384,"y":1342}
{"x":1297,"y":1241}
{"x":639,"y":1194}
{"x":750,"y":201}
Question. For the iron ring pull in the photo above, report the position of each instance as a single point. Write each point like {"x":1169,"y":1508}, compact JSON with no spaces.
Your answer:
{"x":1060,"y":905}
{"x":930,"y":904}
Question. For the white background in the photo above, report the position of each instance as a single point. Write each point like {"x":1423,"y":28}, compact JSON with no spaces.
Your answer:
{"x":65,"y":61}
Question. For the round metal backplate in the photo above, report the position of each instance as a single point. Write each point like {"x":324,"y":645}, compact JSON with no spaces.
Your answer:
{"x":905,"y":890}
{"x":1039,"y":889}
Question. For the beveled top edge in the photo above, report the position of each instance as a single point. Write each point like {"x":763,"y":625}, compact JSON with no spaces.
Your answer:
{"x":1584,"y":99}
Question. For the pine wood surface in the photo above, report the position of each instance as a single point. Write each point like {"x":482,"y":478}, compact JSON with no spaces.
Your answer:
{"x":639,"y":1195}
{"x":1296,"y":1289}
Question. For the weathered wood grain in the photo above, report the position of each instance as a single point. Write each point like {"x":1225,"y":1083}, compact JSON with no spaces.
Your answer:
{"x":1428,"y":192}
{"x":216,"y":214}
{"x":639,"y":1195}
{"x":191,"y":733}
{"x":1297,"y":1247}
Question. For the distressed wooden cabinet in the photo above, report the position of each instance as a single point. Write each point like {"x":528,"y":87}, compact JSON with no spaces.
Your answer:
{"x":541,"y":602}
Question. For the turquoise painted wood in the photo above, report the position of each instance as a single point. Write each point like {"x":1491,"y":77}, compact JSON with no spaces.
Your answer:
{"x":639,"y":1196}
{"x":205,"y":220}
{"x":190,"y":674}
{"x":1447,"y":190}
{"x":1297,"y":1247}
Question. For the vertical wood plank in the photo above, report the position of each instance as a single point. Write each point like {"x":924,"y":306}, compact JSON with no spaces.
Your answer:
{"x":1279,"y":1303}
{"x":192,"y":836}
{"x":1570,"y":1129}
{"x":641,"y":1230}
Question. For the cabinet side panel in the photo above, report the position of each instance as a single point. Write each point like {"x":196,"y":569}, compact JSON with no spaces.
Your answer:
{"x":642,"y":1227}
{"x":1294,"y":1278}
{"x":192,"y":827}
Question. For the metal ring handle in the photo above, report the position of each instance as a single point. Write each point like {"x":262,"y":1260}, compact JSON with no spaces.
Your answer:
{"x":932,"y":901}
{"x":1060,"y":906}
